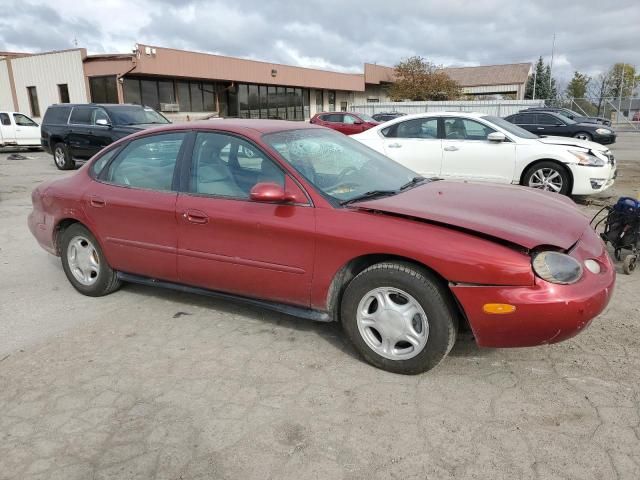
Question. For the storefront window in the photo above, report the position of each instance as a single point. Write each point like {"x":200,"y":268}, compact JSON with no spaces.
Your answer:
{"x":131,"y":90}
{"x":165,"y":91}
{"x":184,"y":97}
{"x":332,"y":100}
{"x":209,"y":98}
{"x":149,"y":89}
{"x":243,"y":100}
{"x":273,"y":102}
{"x":305,"y":103}
{"x":103,"y":89}
{"x":254,"y":101}
{"x":319,"y":101}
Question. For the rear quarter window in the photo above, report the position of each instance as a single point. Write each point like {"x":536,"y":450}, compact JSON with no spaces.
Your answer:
{"x":58,"y":115}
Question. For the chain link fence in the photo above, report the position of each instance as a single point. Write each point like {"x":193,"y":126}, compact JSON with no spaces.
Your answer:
{"x":623,"y":112}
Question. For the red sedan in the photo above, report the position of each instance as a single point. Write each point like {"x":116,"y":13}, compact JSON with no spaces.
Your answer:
{"x":304,"y":220}
{"x":343,"y":122}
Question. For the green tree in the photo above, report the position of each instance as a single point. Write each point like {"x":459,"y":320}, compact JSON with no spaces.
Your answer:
{"x":545,"y":84}
{"x":622,"y":79}
{"x":418,"y":79}
{"x":577,"y":87}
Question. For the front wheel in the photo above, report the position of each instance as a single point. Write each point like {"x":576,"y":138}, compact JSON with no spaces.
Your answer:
{"x":399,"y":318}
{"x":62,"y":158}
{"x":583,"y":136}
{"x":547,"y":176}
{"x":84,"y":263}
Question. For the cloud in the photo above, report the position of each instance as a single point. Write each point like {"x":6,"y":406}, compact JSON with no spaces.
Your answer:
{"x":341,"y":35}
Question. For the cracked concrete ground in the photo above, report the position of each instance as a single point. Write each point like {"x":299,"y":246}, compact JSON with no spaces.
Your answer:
{"x":148,"y":383}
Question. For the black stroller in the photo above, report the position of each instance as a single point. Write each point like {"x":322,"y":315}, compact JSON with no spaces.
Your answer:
{"x":621,"y":229}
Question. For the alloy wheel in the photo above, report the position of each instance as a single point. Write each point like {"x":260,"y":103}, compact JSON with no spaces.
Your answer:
{"x":547,"y":179}
{"x":392,"y":323}
{"x":59,"y":157}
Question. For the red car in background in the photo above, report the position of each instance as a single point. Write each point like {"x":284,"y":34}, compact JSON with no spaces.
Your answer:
{"x":347,"y":123}
{"x":306,"y":221}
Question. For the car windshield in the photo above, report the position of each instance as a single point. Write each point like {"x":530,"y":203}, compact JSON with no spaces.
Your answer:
{"x":338,"y":166}
{"x":365,"y":117}
{"x":566,"y":120}
{"x":510,"y":127}
{"x":135,"y":115}
{"x":566,"y":111}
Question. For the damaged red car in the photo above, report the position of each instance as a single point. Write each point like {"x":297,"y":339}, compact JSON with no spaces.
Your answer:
{"x":306,"y":221}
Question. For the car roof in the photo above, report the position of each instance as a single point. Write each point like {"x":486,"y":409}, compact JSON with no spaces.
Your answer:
{"x":239,"y":125}
{"x":104,"y":105}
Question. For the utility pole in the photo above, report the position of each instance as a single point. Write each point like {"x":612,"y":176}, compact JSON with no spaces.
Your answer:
{"x":553,"y":48}
{"x":620,"y":91}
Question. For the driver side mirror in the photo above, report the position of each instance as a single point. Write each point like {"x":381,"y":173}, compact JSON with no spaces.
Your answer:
{"x":103,"y":122}
{"x":496,"y":137}
{"x":271,"y":193}
{"x":358,"y":122}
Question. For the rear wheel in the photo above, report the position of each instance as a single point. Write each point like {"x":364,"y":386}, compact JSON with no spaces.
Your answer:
{"x":84,"y":263}
{"x":399,"y":318}
{"x":629,"y":264}
{"x":548,"y":176}
{"x":584,"y":136}
{"x":62,"y":158}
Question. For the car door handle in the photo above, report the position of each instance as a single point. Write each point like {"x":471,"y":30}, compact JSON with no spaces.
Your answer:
{"x":540,"y":128}
{"x":394,"y":145}
{"x":451,"y":149}
{"x":97,"y":202}
{"x":194,"y":216}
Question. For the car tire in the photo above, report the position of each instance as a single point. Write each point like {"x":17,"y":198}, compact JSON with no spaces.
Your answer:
{"x":629,"y":264}
{"x":549,"y":176}
{"x":84,"y":263}
{"x":584,"y":136}
{"x":62,"y":158}
{"x":417,"y":328}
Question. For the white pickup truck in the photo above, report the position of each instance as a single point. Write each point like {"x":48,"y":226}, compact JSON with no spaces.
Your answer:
{"x":16,"y":129}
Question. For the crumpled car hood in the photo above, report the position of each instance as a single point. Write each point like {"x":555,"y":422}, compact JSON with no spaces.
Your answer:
{"x":568,"y":141}
{"x":518,"y":215}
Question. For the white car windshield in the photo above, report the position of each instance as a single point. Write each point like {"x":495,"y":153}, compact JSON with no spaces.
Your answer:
{"x":510,"y":127}
{"x":338,"y":166}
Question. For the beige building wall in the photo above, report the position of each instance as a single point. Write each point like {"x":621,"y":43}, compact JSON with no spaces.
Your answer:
{"x":45,"y":72}
{"x":6,"y":98}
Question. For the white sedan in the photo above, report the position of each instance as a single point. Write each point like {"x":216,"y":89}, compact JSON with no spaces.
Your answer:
{"x":479,"y":147}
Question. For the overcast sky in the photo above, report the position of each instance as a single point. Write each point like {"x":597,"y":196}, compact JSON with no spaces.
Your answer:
{"x":340,"y":35}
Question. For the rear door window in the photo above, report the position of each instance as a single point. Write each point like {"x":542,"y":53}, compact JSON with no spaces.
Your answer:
{"x":416,"y":128}
{"x":147,"y":162}
{"x":57,"y":115}
{"x":81,"y":116}
{"x":544,"y":119}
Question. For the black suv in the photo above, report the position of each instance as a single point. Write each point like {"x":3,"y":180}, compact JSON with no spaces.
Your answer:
{"x":549,"y":123}
{"x":76,"y":132}
{"x":565,"y":112}
{"x":386,"y":116}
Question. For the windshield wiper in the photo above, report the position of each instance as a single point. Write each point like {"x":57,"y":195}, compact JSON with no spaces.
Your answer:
{"x":369,"y":195}
{"x":414,"y":181}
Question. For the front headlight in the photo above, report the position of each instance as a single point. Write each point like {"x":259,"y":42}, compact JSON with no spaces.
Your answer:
{"x":556,"y":267}
{"x":587,"y":159}
{"x":603,"y":131}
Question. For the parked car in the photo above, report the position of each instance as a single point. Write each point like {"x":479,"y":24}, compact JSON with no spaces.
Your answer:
{"x":549,"y":123}
{"x":74,"y":133}
{"x":16,"y":129}
{"x":575,"y":116}
{"x":347,"y":123}
{"x":636,"y":117}
{"x":386,"y":116}
{"x":478,"y":147}
{"x":315,"y":224}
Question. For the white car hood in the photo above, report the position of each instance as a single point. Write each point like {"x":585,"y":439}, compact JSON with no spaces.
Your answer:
{"x":573,"y":142}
